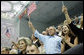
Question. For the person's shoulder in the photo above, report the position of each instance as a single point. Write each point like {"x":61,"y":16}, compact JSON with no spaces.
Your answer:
{"x":47,"y":36}
{"x":57,"y":37}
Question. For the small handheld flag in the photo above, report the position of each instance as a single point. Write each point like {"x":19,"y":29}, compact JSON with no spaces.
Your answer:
{"x":29,"y":17}
{"x":30,"y":9}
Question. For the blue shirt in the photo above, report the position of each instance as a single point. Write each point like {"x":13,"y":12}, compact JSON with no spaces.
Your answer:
{"x":52,"y":44}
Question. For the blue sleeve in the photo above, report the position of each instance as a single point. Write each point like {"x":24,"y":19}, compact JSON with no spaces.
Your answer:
{"x":40,"y":36}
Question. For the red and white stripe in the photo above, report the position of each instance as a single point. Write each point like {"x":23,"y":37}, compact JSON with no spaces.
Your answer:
{"x":31,"y":8}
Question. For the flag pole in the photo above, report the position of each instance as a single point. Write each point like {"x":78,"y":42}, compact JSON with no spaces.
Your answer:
{"x":62,"y":3}
{"x":29,"y":17}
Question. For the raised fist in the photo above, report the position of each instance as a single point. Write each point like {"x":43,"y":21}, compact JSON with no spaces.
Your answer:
{"x":29,"y":23}
{"x":64,"y":9}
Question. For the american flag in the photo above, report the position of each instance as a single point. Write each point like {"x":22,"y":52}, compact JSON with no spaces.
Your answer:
{"x":7,"y":33}
{"x":31,"y":8}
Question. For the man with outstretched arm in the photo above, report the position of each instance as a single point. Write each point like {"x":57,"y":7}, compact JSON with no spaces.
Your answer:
{"x":52,"y":43}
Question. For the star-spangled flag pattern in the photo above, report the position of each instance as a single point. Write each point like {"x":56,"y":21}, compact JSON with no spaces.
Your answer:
{"x":31,"y":8}
{"x":7,"y":33}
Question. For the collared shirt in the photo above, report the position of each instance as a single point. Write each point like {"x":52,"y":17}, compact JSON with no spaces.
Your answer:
{"x":52,"y":44}
{"x":35,"y":41}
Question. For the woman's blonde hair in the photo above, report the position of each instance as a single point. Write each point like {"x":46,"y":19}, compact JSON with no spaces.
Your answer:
{"x":26,"y":40}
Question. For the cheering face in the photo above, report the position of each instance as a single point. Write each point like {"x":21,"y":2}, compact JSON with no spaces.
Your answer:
{"x":22,"y":45}
{"x":51,"y":31}
{"x":32,"y":50}
{"x":59,"y":27}
{"x":4,"y":51}
{"x":65,"y":30}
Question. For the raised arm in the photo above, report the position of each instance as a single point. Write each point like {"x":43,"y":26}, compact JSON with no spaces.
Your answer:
{"x":65,"y":11}
{"x":36,"y":33}
{"x":31,"y":26}
{"x":69,"y":21}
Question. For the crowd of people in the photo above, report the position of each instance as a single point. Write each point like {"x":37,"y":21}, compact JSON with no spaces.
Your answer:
{"x":53,"y":40}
